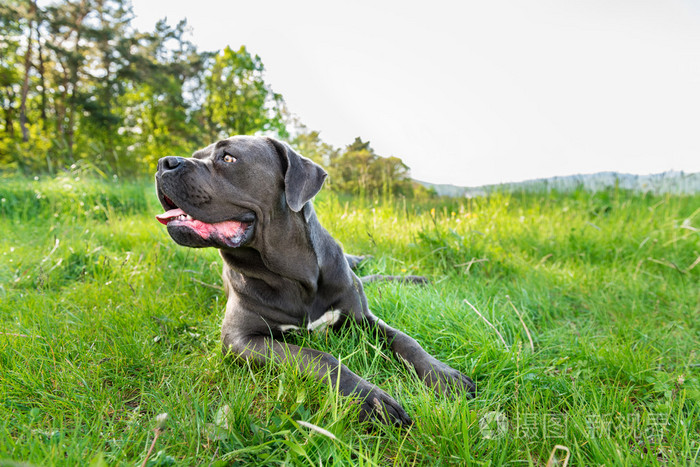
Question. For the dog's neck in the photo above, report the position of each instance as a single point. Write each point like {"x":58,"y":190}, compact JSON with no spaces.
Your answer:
{"x":275,"y":232}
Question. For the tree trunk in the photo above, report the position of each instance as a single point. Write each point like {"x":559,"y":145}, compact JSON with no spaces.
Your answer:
{"x":9,"y":121}
{"x":42,"y":78}
{"x":25,"y":81}
{"x":74,"y":69}
{"x":61,"y":105}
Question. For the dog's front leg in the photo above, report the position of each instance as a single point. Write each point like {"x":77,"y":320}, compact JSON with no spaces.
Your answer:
{"x":376,"y":405}
{"x":434,"y":373}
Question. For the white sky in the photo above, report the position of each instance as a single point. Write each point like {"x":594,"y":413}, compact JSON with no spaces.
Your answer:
{"x":477,"y":92}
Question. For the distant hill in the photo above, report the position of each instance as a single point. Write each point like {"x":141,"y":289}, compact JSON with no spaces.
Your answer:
{"x":666,"y":182}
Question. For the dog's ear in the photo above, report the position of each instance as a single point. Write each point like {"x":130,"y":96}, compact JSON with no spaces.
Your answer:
{"x":303,"y":178}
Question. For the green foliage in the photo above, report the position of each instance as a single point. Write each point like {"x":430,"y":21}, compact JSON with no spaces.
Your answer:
{"x":238,"y":99}
{"x":358,"y":170}
{"x":310,"y":144}
{"x":77,"y":82}
{"x":106,"y":323}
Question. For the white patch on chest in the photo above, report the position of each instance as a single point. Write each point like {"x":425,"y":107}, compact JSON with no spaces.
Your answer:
{"x":329,"y":318}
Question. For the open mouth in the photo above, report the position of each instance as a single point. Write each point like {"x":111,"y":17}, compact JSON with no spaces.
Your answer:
{"x":231,"y":233}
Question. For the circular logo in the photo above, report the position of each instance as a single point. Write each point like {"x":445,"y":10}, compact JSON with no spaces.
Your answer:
{"x":493,"y":425}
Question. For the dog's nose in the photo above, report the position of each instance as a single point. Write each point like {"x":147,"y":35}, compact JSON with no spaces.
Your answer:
{"x":170,"y":163}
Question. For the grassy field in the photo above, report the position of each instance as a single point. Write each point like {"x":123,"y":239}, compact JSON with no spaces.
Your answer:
{"x":105,"y":323}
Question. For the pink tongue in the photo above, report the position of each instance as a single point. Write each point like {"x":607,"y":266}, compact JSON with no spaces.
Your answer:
{"x":166,"y":216}
{"x":226,"y":229}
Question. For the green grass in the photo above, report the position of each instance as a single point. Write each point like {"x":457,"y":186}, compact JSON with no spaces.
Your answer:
{"x":106,"y":323}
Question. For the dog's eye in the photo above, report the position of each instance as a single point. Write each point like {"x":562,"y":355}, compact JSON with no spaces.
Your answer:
{"x":229,"y":158}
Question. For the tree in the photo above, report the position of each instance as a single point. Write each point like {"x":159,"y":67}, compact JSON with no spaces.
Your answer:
{"x":19,"y":38}
{"x":161,"y":103}
{"x":31,"y":15}
{"x":309,"y":144}
{"x":395,"y":176}
{"x":239,"y":101}
{"x":67,"y":27}
{"x":360,"y":171}
{"x":10,"y":37}
{"x":352,"y":170}
{"x":77,"y":81}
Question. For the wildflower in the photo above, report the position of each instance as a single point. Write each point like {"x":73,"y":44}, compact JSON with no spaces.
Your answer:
{"x":161,"y":419}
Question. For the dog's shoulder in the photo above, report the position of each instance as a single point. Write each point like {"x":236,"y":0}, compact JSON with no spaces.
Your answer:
{"x":333,"y":266}
{"x":326,"y":248}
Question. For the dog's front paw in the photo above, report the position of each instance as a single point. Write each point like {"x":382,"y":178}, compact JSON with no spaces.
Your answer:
{"x":445,"y":379}
{"x":378,"y":406}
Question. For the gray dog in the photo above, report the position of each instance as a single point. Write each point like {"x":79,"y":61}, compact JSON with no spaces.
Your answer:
{"x":250,"y":197}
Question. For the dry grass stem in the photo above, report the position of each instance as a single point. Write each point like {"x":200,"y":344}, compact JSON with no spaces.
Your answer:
{"x":487,"y":322}
{"x":527,"y":331}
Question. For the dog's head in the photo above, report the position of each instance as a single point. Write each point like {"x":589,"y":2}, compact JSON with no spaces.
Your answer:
{"x":218,"y":196}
